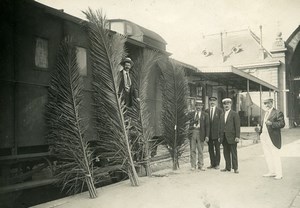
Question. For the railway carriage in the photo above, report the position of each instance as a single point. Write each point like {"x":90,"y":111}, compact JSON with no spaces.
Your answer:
{"x":31,"y":39}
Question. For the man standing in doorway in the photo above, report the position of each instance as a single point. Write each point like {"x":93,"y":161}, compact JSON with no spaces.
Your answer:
{"x":128,"y":93}
{"x":214,"y":144}
{"x":270,"y":134}
{"x":229,"y":133}
{"x":199,"y":133}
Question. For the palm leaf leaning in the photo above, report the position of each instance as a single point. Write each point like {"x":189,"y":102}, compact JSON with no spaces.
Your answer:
{"x":66,"y":126}
{"x":107,"y":51}
{"x":174,"y":110}
{"x":139,"y":113}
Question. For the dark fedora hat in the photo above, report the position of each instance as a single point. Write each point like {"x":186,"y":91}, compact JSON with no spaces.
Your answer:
{"x":127,"y":60}
{"x":212,"y":98}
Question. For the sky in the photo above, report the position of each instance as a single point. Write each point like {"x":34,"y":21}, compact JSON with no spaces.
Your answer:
{"x":183,"y":23}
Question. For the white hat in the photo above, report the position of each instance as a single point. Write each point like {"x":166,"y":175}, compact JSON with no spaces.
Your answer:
{"x":225,"y":100}
{"x":199,"y":102}
{"x":268,"y":99}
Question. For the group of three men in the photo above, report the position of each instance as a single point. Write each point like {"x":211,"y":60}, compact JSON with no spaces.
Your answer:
{"x":217,"y":127}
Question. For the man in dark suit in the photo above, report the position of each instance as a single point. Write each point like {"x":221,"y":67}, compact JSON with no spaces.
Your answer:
{"x":128,"y":93}
{"x":214,"y":113}
{"x":199,"y":133}
{"x":229,"y":133}
{"x":270,"y":134}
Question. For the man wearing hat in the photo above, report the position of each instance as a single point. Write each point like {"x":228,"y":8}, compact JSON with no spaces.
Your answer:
{"x":199,"y":133}
{"x":270,"y":134}
{"x":126,"y":83}
{"x":229,"y":134}
{"x":214,"y":144}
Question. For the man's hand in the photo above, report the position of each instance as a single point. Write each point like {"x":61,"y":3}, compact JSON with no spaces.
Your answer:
{"x":220,"y":140}
{"x":257,"y":129}
{"x":269,"y":123}
{"x":237,"y":139}
{"x":206,"y":139}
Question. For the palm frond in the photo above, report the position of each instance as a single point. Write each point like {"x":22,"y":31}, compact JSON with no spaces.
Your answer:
{"x":174,"y":110}
{"x":139,"y":113}
{"x":107,"y":51}
{"x":66,"y":126}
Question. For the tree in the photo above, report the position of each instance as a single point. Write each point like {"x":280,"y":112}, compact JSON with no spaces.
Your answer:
{"x":139,"y":113}
{"x":174,"y":110}
{"x":107,"y":52}
{"x":66,"y":125}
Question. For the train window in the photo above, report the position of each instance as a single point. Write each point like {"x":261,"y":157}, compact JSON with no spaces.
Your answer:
{"x":81,"y":60}
{"x":41,"y":53}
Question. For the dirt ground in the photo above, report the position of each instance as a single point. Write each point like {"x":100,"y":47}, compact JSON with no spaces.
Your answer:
{"x":210,"y":188}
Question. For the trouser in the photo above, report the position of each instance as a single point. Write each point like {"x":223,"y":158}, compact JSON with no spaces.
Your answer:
{"x":214,"y":152}
{"x":272,"y":155}
{"x":196,"y":143}
{"x":230,"y":155}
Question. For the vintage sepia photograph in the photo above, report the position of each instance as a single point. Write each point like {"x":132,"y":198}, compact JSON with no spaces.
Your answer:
{"x":150,"y":104}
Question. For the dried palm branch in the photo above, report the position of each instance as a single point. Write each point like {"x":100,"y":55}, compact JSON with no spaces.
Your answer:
{"x":174,"y":110}
{"x":139,"y":113}
{"x":66,"y":126}
{"x":107,"y":52}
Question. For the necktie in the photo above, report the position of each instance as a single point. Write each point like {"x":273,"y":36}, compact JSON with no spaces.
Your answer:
{"x":197,"y":118}
{"x":211,"y":113}
{"x":128,"y":79}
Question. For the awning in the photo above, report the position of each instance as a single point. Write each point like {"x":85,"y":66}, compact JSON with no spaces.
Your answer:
{"x":231,"y":76}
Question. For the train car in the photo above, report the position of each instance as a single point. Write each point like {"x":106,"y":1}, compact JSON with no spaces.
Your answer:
{"x":30,"y":42}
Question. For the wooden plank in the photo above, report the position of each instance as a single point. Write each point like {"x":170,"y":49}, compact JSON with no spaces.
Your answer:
{"x":26,"y":185}
{"x":24,"y":156}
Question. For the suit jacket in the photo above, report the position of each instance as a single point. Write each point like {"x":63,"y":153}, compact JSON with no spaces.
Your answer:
{"x":204,"y":124}
{"x":214,"y":122}
{"x":128,"y":96}
{"x":274,"y":130}
{"x":231,"y":128}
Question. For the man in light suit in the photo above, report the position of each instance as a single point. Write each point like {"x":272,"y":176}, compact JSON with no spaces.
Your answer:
{"x":199,"y":133}
{"x":229,"y":134}
{"x":214,"y":113}
{"x":270,"y":135}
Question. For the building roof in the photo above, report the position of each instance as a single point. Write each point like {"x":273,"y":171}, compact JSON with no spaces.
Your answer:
{"x":234,"y":77}
{"x":239,"y":47}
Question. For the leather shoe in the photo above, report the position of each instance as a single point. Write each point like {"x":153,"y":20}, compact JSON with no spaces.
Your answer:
{"x":210,"y":167}
{"x":278,"y":177}
{"x":201,"y":168}
{"x":224,"y":170}
{"x":269,"y":175}
{"x":217,"y":167}
{"x":236,"y":171}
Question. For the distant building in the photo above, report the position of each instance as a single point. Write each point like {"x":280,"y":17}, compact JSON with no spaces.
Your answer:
{"x":243,"y":51}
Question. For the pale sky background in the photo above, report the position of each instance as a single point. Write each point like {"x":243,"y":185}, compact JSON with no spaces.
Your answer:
{"x":182,"y":23}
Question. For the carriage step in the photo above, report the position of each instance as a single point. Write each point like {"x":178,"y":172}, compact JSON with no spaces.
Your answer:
{"x":26,"y":185}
